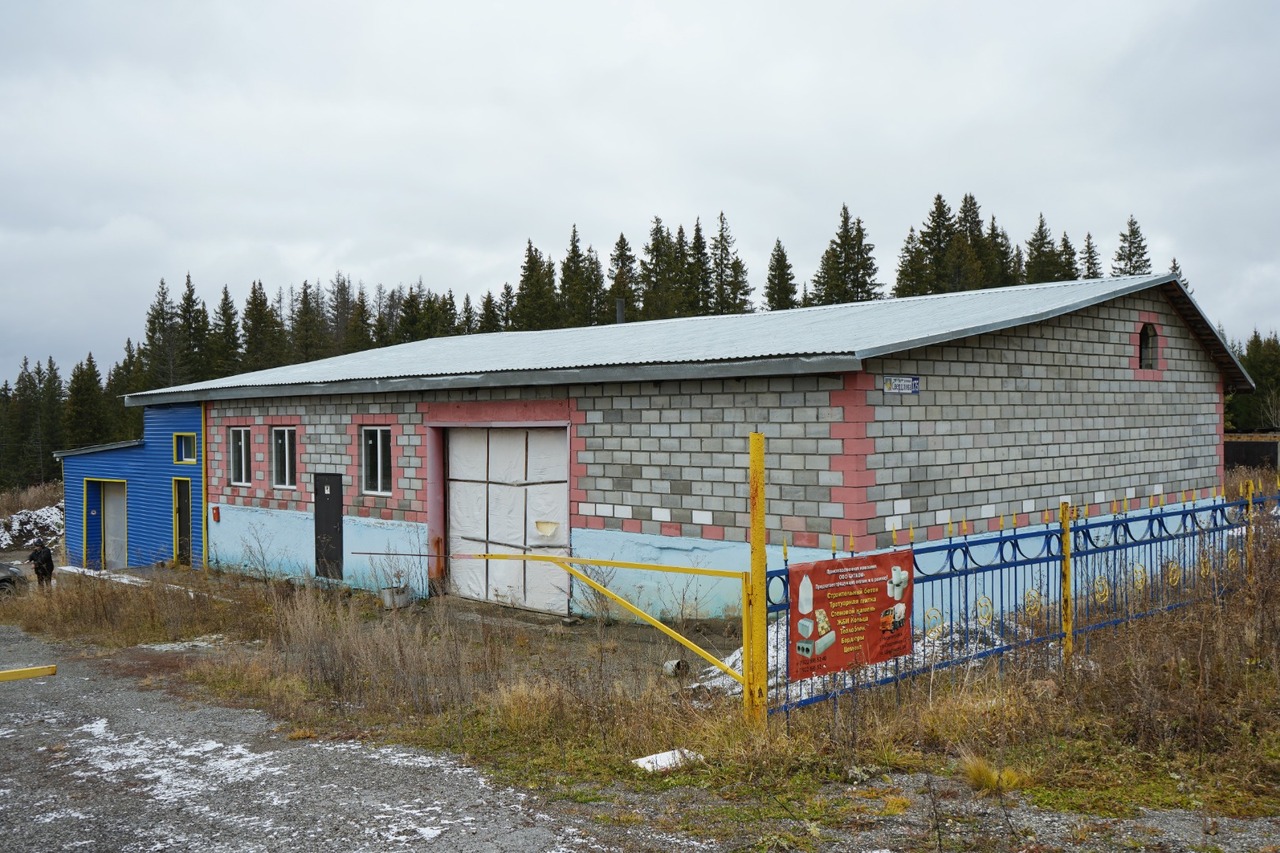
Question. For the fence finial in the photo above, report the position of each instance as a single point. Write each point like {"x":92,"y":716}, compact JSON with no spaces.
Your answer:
{"x":911,"y":533}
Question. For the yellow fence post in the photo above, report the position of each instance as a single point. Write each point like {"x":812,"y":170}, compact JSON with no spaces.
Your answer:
{"x":755,"y":625}
{"x":1064,"y":519}
{"x":1248,"y":537}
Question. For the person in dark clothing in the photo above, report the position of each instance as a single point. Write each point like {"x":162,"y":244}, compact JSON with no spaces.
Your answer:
{"x":42,"y":559}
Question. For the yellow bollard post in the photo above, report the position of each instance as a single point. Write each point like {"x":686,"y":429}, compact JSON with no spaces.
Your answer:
{"x":28,"y":672}
{"x":1248,"y":544}
{"x":1064,"y":519}
{"x":755,"y":664}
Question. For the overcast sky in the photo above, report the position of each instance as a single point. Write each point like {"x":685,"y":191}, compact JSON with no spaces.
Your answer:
{"x":392,"y":141}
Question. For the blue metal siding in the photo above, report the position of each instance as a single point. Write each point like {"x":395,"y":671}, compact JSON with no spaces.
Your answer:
{"x":149,"y":470}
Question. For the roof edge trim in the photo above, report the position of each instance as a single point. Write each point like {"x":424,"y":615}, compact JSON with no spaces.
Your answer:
{"x":500,"y":379}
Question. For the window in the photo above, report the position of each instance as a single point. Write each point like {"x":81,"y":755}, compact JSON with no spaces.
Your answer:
{"x":377,"y":460}
{"x":241,"y":445}
{"x":284,"y":445}
{"x":184,"y":448}
{"x":1147,"y":345}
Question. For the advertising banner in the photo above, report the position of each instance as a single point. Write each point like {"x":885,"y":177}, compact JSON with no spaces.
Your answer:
{"x":849,"y":612}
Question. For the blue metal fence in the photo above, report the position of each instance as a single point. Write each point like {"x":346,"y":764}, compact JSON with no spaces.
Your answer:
{"x":1000,"y":594}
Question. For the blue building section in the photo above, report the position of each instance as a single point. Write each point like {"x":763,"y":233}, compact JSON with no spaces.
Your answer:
{"x":139,"y":503}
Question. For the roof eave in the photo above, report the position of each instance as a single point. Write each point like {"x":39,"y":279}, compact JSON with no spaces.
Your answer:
{"x":808,"y":364}
{"x":96,"y":448}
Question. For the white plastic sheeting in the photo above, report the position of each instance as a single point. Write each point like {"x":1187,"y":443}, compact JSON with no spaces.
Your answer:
{"x":509,"y":494}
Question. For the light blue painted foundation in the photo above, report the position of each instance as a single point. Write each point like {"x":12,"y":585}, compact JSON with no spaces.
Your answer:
{"x":281,"y":543}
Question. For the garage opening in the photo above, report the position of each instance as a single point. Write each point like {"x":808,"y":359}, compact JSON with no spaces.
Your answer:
{"x":508,"y":493}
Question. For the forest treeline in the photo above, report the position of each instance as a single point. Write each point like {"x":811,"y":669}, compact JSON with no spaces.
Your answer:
{"x":676,"y":273}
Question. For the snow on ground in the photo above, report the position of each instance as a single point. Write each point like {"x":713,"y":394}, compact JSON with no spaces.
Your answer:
{"x":24,"y":527}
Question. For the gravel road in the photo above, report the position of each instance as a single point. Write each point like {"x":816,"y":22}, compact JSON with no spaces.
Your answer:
{"x":90,"y":761}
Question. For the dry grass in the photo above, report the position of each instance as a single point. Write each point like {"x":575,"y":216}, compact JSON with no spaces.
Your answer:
{"x":32,"y":497}
{"x":1171,"y":710}
{"x":85,"y":607}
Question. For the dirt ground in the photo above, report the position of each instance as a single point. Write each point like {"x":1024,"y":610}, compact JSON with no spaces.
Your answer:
{"x":897,"y":812}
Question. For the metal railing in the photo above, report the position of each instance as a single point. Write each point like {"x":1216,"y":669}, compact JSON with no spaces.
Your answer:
{"x":1036,"y":590}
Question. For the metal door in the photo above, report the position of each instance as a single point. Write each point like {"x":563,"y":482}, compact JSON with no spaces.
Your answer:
{"x":329,"y":526}
{"x":509,"y":494}
{"x":115,"y":526}
{"x":182,"y":521}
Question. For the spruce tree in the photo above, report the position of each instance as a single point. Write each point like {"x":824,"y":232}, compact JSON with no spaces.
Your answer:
{"x":624,"y":281}
{"x":411,"y":322}
{"x":125,"y":377}
{"x":446,"y":317}
{"x":1069,"y":269}
{"x":224,"y":338}
{"x":1091,"y":264}
{"x":34,"y":424}
{"x":358,"y":335}
{"x":732,"y":292}
{"x":507,"y":305}
{"x":192,"y":358}
{"x":599,"y":297}
{"x":999,"y":269}
{"x":467,"y":319}
{"x":339,"y":302}
{"x":967,"y":259}
{"x":577,"y":288}
{"x":537,"y":305}
{"x":309,"y":334}
{"x":1043,"y":263}
{"x":1131,"y":255}
{"x":159,"y":348}
{"x":658,"y":275}
{"x":913,"y":269}
{"x":265,"y":340}
{"x":490,"y":320}
{"x":935,"y":239}
{"x":847,"y":270}
{"x":700,"y":291}
{"x":780,"y":283}
{"x":85,"y":417}
{"x":684,"y":299}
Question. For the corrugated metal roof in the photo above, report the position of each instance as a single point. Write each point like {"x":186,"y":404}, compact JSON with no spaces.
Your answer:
{"x":818,"y":339}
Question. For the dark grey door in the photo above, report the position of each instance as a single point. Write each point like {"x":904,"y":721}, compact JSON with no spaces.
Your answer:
{"x":329,"y":526}
{"x":182,"y":522}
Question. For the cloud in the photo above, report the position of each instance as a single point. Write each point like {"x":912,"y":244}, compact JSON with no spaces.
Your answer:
{"x":282,"y":142}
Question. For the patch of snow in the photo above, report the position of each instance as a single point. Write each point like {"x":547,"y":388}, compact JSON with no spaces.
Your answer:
{"x":25,"y":526}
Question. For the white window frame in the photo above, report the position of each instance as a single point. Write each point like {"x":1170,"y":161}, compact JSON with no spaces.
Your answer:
{"x":240,"y":456}
{"x":183,"y":442}
{"x":284,"y":460}
{"x":376,"y":474}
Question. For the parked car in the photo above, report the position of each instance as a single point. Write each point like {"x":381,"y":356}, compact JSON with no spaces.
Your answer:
{"x":13,"y":580}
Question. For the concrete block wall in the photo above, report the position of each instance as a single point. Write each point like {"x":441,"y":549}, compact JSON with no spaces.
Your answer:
{"x":671,"y":458}
{"x":328,"y":442}
{"x":1007,"y":424}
